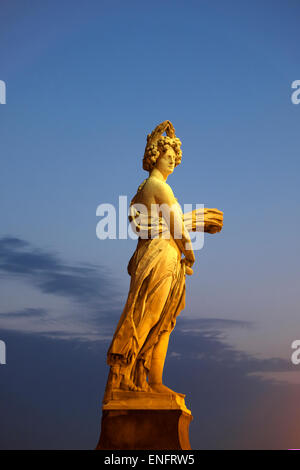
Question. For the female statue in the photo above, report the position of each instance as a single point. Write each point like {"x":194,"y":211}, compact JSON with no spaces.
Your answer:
{"x":162,"y":258}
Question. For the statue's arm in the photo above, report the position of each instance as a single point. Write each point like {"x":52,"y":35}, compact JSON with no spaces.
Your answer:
{"x":173,"y":217}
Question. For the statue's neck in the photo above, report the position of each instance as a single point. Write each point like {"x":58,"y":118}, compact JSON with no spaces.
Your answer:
{"x":157,"y":174}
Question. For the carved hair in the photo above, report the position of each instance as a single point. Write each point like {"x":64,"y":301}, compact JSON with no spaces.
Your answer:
{"x":157,"y":144}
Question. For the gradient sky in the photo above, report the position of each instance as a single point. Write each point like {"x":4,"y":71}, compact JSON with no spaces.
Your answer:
{"x":86,"y":81}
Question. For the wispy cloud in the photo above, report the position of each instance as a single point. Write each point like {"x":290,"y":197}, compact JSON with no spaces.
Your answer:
{"x":190,"y":324}
{"x":94,"y":300}
{"x":206,"y":344}
{"x":82,"y":282}
{"x":25,"y":313}
{"x":232,"y":408}
{"x":229,"y":389}
{"x":96,"y":305}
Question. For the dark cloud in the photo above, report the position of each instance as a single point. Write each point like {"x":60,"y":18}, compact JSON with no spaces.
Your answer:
{"x":13,"y":242}
{"x":213,"y":349}
{"x":213,"y":323}
{"x":86,"y":283}
{"x":26,"y":313}
{"x":52,"y":390}
{"x":235,"y":404}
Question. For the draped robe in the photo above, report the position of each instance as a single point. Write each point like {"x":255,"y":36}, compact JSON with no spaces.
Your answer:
{"x":154,"y":261}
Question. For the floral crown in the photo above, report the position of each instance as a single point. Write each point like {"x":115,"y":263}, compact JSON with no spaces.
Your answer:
{"x":157,"y":143}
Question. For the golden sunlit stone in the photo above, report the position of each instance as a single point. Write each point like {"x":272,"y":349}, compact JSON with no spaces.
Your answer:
{"x":158,"y":267}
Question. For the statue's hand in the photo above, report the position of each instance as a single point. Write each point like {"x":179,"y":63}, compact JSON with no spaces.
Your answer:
{"x":188,"y":271}
{"x":189,"y":257}
{"x":188,"y":263}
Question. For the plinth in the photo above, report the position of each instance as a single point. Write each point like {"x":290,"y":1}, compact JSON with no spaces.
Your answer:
{"x":145,"y":421}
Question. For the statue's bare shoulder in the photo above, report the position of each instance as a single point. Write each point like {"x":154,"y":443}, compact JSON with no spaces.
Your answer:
{"x":159,"y":191}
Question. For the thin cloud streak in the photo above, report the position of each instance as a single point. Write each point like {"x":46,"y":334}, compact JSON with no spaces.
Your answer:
{"x":90,"y":289}
{"x":83,"y":283}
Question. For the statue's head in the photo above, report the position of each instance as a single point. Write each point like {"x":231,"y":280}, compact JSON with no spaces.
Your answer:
{"x":162,"y":149}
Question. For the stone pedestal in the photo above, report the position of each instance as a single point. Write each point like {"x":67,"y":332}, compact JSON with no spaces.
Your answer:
{"x":145,"y":421}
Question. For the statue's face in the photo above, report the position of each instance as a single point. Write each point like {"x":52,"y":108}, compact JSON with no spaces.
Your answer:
{"x":166,"y":162}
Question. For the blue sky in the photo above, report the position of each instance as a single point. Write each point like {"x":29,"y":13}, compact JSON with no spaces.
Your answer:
{"x":86,"y":81}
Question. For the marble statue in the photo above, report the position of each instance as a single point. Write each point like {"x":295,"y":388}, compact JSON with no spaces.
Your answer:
{"x":158,"y":268}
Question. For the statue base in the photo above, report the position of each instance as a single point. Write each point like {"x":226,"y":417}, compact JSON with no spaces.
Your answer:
{"x":145,"y":421}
